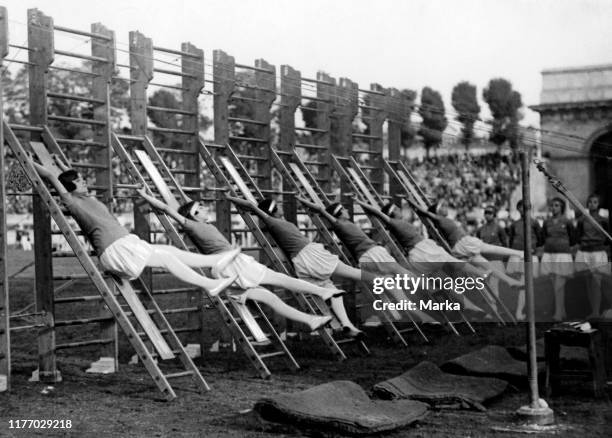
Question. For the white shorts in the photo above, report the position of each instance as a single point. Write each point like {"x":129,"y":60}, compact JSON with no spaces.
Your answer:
{"x":559,"y":263}
{"x":127,"y":256}
{"x":249,"y":271}
{"x":427,"y":256}
{"x":377,"y":254}
{"x":314,"y":262}
{"x":467,"y":247}
{"x":516,"y":265}
{"x":594,"y":261}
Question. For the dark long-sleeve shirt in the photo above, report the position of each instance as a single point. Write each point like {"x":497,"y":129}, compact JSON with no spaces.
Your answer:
{"x":516,"y":233}
{"x":559,"y":235}
{"x":452,"y":232}
{"x":589,"y":237}
{"x":287,"y":235}
{"x":353,"y":237}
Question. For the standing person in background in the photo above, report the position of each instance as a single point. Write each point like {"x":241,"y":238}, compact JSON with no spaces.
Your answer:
{"x":592,"y":255}
{"x":493,"y":234}
{"x":516,"y":233}
{"x":558,"y":235}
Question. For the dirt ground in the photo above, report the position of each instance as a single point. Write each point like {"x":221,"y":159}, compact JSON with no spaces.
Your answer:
{"x":127,"y":404}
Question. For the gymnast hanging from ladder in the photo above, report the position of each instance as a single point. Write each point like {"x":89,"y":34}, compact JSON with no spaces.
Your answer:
{"x":125,"y":254}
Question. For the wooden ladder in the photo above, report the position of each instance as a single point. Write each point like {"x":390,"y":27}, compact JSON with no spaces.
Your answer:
{"x":168,"y":346}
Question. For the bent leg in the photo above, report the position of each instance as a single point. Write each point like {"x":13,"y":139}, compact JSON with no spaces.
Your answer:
{"x":278,"y":306}
{"x":345,"y":271}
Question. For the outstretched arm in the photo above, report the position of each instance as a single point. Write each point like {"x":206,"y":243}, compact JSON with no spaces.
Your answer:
{"x":157,"y":204}
{"x":317,"y":208}
{"x":419,"y":209}
{"x":52,"y":178}
{"x":373,"y":210}
{"x":247,"y":205}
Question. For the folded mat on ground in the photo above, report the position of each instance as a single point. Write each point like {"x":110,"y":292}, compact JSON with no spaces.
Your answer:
{"x":489,"y":361}
{"x":426,"y":382}
{"x":340,"y":406}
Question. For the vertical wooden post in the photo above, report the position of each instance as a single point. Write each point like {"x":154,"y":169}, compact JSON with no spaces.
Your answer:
{"x":375,"y":124}
{"x":102,"y":156}
{"x":40,"y":56}
{"x":5,"y":336}
{"x":326,"y":87}
{"x":193,"y":82}
{"x":291,"y":96}
{"x":265,"y":94}
{"x":394,"y":135}
{"x":344,"y":111}
{"x":141,"y":72}
{"x":223,"y":76}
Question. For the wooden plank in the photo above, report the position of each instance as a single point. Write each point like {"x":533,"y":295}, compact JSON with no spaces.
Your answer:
{"x":159,"y":182}
{"x":364,"y":190}
{"x":238,"y":179}
{"x":305,"y":184}
{"x":145,"y":321}
{"x":248,"y":319}
{"x":45,"y":158}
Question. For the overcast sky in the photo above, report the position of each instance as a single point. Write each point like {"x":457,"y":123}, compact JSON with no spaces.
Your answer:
{"x":403,"y":44}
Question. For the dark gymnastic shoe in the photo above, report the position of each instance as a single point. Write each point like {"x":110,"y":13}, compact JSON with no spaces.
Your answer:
{"x":353,"y":332}
{"x":218,"y":286}
{"x":226,"y":258}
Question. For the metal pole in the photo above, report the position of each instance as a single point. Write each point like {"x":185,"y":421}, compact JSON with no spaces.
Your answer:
{"x":537,"y":412}
{"x":528,"y":262}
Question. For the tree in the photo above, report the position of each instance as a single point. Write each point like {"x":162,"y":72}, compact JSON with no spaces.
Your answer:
{"x":467,"y":108}
{"x":504,"y":103}
{"x":434,"y":121}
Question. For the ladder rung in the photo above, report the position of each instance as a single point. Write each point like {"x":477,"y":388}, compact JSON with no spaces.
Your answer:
{"x":78,"y":299}
{"x":273,"y":354}
{"x":76,"y":120}
{"x":248,"y":139}
{"x":345,"y":340}
{"x":81,"y":56}
{"x":82,"y":321}
{"x":312,"y":129}
{"x":176,"y":330}
{"x":310,"y":146}
{"x":171,"y":130}
{"x":252,"y":157}
{"x":175,"y":151}
{"x":173,"y":72}
{"x":71,"y":277}
{"x":74,"y":97}
{"x":367,"y":136}
{"x":84,"y":343}
{"x":89,"y":165}
{"x":179,"y":374}
{"x":185,"y":171}
{"x":315,"y":163}
{"x":170,"y":110}
{"x":239,"y":119}
{"x":365,"y":151}
{"x":60,"y":254}
{"x":80,"y":142}
{"x":130,"y":137}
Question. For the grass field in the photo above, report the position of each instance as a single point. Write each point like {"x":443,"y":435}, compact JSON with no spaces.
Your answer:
{"x":127,"y":403}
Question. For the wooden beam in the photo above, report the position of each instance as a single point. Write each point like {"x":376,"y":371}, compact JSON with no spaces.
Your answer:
{"x":40,"y":57}
{"x":291,"y":96}
{"x":141,"y":73}
{"x":224,"y":71}
{"x":5,"y":336}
